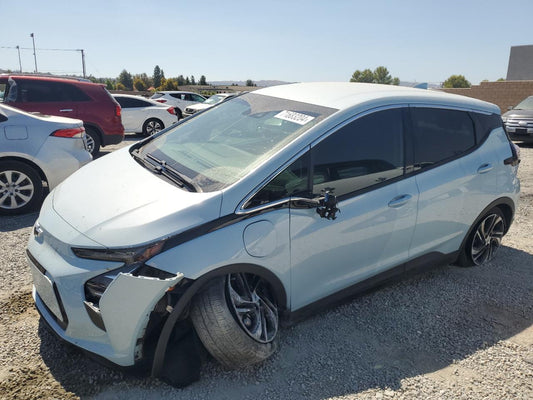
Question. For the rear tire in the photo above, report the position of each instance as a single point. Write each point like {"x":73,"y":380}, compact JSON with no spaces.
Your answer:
{"x":152,"y":126}
{"x":21,"y":188}
{"x":92,"y":140}
{"x":236,"y":318}
{"x":484,"y":240}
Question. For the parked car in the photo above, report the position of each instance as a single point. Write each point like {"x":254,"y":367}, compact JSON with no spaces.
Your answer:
{"x":519,"y":121}
{"x":74,"y":98}
{"x":36,"y":151}
{"x":178,"y":99}
{"x":144,"y":116}
{"x":263,"y":208}
{"x":211,"y":101}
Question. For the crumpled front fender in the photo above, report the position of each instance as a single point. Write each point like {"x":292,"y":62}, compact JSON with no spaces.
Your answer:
{"x":125,"y":307}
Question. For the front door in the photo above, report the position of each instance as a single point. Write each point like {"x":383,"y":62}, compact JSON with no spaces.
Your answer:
{"x":362,"y":164}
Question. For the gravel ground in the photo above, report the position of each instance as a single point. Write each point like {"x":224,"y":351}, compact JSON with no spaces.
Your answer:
{"x":450,"y":333}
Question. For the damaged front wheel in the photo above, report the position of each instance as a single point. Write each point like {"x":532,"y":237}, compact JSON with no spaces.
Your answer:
{"x":236,"y":318}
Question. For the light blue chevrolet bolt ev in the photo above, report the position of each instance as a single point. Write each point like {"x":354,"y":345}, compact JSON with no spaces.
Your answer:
{"x":210,"y":233}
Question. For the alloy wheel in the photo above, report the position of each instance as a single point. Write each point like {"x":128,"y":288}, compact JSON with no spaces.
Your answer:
{"x":487,"y":239}
{"x":153,"y":127}
{"x":16,"y":189}
{"x":253,"y":306}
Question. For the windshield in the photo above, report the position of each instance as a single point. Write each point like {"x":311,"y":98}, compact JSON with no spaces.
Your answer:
{"x":526,"y":104}
{"x":222,"y":145}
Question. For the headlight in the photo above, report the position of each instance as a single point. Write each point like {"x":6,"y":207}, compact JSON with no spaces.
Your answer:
{"x":127,"y":255}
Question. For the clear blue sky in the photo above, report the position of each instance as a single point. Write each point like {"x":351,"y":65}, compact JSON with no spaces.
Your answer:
{"x":423,"y":41}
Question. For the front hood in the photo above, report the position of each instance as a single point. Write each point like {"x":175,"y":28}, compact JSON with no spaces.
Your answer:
{"x":118,"y":203}
{"x":518,"y":113}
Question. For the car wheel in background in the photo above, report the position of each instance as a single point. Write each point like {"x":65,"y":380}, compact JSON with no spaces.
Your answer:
{"x":21,"y":188}
{"x":236,"y":318}
{"x":484,"y":241}
{"x":152,"y":126}
{"x":92,"y":141}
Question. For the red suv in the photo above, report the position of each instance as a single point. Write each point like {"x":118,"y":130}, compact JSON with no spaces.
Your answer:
{"x":66,"y":97}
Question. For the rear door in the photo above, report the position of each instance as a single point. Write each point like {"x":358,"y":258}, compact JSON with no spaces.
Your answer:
{"x":363,"y":164}
{"x":441,"y":140}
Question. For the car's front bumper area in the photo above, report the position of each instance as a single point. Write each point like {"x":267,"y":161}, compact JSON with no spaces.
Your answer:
{"x":125,"y":306}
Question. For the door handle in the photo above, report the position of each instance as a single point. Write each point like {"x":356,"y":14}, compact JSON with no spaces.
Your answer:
{"x":399,"y":201}
{"x":66,"y":110}
{"x":484,"y":168}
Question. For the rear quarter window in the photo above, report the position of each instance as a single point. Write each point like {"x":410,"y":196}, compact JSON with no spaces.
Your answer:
{"x":440,"y":134}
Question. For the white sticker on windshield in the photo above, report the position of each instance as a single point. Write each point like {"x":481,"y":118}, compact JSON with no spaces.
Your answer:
{"x":293,"y":116}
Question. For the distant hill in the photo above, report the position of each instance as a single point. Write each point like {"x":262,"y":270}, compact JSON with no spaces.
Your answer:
{"x":263,"y":83}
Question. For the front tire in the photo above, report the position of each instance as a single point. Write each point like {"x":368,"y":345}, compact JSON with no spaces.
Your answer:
{"x":21,"y":188}
{"x":236,"y":318}
{"x":152,"y":126}
{"x":484,"y":240}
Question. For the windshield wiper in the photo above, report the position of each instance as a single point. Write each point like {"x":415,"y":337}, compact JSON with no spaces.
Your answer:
{"x":171,"y":173}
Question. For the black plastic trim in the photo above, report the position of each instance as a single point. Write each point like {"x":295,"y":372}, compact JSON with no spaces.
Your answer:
{"x":94,"y":315}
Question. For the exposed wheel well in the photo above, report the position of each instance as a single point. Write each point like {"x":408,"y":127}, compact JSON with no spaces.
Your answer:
{"x":194,"y":287}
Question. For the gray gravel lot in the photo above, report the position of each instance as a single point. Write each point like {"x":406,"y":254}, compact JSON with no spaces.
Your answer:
{"x":450,"y":333}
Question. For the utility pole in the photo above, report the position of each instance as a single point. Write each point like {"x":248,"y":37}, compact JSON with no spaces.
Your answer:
{"x":34,"y":54}
{"x":20,"y":62}
{"x":83,"y":61}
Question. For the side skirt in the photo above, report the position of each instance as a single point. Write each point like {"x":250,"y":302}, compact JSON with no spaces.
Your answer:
{"x":413,"y":267}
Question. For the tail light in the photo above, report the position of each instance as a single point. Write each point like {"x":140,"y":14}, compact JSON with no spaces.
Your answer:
{"x":171,"y":110}
{"x":161,"y":100}
{"x":118,"y":110}
{"x":69,"y":133}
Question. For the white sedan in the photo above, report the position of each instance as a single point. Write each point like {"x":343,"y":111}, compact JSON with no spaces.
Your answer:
{"x":140,"y":115}
{"x":36,"y":151}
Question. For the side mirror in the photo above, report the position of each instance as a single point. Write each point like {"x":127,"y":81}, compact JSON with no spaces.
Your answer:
{"x":328,"y":206}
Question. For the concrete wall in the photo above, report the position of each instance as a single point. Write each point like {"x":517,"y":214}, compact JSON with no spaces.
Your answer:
{"x":504,"y":94}
{"x":520,"y":63}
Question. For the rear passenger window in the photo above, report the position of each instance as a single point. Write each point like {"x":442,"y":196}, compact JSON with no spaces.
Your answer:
{"x":34,"y":91}
{"x":364,"y":153}
{"x":440,"y":135}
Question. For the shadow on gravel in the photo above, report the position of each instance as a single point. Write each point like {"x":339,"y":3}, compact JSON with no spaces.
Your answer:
{"x":13,"y":223}
{"x":416,"y":326}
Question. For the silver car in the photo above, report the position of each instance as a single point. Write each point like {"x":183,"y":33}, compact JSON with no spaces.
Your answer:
{"x":36,"y":152}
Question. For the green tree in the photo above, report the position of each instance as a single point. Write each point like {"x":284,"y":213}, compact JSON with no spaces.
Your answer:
{"x":202,"y":80}
{"x":456,"y":81}
{"x":501,"y":80}
{"x":187,"y":81}
{"x":139,"y":84}
{"x":156,"y":77}
{"x":379,"y":75}
{"x":120,"y":86}
{"x":169,"y":84}
{"x":181,"y":80}
{"x":126,"y":79}
{"x":249,"y":82}
{"x":193,"y":82}
{"x":109,"y":84}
